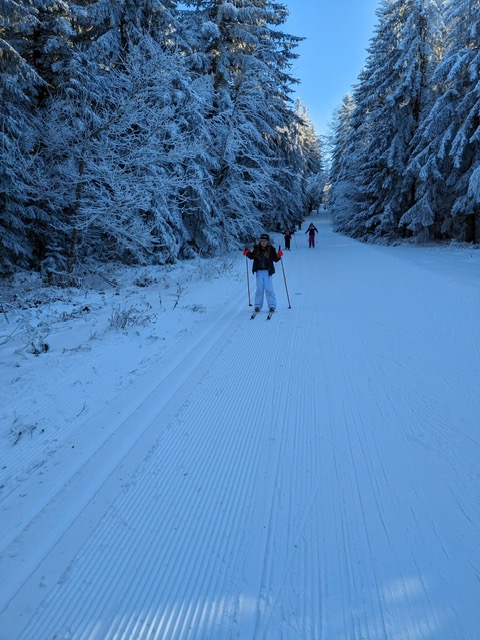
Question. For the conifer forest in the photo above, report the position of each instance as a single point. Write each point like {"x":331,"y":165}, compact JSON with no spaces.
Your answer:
{"x":149,"y":131}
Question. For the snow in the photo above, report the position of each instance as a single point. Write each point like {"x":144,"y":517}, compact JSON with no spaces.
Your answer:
{"x":172,"y":469}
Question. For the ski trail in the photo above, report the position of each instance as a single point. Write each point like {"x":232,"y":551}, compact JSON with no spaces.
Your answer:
{"x":97,"y":460}
{"x":293,"y":479}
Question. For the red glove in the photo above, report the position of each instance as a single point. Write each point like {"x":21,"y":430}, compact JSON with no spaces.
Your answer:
{"x":246,"y":252}
{"x":279,"y":253}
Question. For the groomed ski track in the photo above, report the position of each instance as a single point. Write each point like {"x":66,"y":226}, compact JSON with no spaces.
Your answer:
{"x":295,"y":479}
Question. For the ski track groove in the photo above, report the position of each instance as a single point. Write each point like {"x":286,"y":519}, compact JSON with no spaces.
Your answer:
{"x":295,"y":507}
{"x":91,"y":444}
{"x":302,"y":500}
{"x":285,"y":454}
{"x":165,"y":625}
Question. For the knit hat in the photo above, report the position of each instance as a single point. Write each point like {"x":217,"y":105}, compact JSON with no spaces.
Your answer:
{"x":265,"y":236}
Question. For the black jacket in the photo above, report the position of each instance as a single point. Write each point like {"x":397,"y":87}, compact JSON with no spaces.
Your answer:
{"x":263,"y":258}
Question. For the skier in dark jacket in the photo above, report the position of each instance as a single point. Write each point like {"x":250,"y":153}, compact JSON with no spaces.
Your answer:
{"x":287,"y":234}
{"x":312,"y":229}
{"x":264,"y":256}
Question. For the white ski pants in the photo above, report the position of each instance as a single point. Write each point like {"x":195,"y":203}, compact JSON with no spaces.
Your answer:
{"x":265,"y":287}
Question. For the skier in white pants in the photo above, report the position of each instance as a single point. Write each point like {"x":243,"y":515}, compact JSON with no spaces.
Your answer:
{"x":264,"y":255}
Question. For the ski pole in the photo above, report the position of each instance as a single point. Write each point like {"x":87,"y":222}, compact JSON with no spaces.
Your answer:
{"x":248,"y":281}
{"x":285,"y":281}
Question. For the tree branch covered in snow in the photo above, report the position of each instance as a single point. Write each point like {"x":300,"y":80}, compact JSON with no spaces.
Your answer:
{"x":144,"y":134}
{"x":406,"y":152}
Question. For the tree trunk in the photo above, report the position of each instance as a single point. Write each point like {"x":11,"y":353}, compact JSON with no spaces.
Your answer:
{"x":74,"y":238}
{"x":470,"y":230}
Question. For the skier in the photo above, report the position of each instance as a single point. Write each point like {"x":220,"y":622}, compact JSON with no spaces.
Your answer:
{"x":312,"y":229}
{"x":263,"y":256}
{"x":287,"y":234}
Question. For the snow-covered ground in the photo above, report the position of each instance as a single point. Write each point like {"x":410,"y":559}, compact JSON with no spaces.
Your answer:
{"x":171,"y":469}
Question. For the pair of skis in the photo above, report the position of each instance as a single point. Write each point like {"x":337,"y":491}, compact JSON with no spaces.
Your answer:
{"x":269,"y":315}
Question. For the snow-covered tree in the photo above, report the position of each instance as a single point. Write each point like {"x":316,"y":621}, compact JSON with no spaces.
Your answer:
{"x":447,"y":156}
{"x":121,"y":146}
{"x":312,"y":169}
{"x":141,"y":131}
{"x":391,"y":98}
{"x":19,"y":88}
{"x":110,"y":27}
{"x":240,"y":47}
{"x":343,"y":193}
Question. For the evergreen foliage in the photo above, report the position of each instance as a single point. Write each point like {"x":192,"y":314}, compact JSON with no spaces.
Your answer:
{"x":156,"y":130}
{"x":405,"y":159}
{"x":447,"y":154}
{"x":144,"y":131}
{"x":393,"y":93}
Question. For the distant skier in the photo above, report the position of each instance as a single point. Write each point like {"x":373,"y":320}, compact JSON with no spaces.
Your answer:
{"x":312,"y":230}
{"x":287,"y":234}
{"x":263,"y":256}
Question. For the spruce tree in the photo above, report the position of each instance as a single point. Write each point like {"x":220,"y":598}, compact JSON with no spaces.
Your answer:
{"x":20,"y":88}
{"x":447,"y":155}
{"x":391,"y":98}
{"x":342,"y":189}
{"x":240,"y":47}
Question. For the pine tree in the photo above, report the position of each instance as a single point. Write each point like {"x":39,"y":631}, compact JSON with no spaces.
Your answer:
{"x":20,"y":86}
{"x":128,"y":135}
{"x":448,"y":151}
{"x":247,"y":58}
{"x":312,"y":169}
{"x":118,"y":191}
{"x":110,"y":27}
{"x":342,"y":190}
{"x":391,"y":99}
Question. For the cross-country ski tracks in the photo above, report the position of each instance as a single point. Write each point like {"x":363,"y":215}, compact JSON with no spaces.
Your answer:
{"x":122,"y":376}
{"x":187,"y":482}
{"x":99,"y":464}
{"x":281,"y":492}
{"x":387,"y":505}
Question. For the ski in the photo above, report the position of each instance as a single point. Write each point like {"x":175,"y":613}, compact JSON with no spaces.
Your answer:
{"x":270,"y":313}
{"x":254,"y":314}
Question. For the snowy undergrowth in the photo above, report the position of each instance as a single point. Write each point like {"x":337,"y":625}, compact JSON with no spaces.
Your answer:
{"x":129,"y":316}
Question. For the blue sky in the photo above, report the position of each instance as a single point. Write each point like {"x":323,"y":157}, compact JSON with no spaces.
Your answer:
{"x":337,"y":35}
